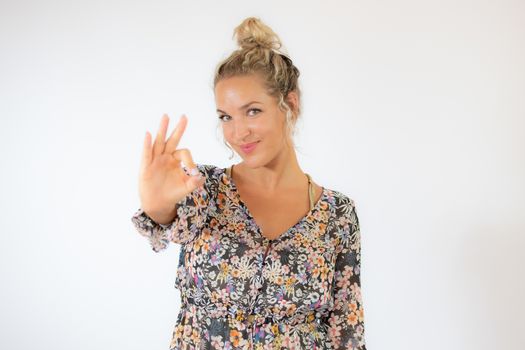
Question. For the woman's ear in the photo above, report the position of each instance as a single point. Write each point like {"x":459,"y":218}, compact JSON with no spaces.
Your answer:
{"x":292,"y":99}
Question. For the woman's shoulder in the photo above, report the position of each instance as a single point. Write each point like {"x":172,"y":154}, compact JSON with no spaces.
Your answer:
{"x":210,"y":171}
{"x":345,"y":219}
{"x":212,"y":174}
{"x":339,"y":200}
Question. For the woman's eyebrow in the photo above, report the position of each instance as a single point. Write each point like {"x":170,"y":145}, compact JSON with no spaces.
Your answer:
{"x":242,"y":107}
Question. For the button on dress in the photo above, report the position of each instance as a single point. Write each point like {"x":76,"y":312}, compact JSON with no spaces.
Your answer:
{"x":241,"y":290}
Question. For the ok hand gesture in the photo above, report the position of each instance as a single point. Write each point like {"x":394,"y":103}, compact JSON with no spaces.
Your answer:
{"x":162,"y":180}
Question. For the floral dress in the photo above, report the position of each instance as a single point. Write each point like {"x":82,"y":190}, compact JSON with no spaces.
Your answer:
{"x":241,"y":290}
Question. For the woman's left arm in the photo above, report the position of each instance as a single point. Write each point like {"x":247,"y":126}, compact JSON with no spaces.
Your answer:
{"x":345,"y":320}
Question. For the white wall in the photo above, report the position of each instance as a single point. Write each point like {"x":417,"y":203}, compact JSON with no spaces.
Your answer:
{"x":415,"y":109}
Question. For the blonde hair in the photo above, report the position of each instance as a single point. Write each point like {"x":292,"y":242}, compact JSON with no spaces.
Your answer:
{"x":259,"y":53}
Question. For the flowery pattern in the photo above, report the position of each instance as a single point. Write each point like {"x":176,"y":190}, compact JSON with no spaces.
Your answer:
{"x":240,"y":290}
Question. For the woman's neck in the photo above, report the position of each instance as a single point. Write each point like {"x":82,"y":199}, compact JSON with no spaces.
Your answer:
{"x":283,"y":172}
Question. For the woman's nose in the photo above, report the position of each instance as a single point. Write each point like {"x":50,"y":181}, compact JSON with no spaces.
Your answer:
{"x":241,"y":130}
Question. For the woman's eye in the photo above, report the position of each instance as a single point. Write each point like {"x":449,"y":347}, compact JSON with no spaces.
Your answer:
{"x":254,"y":109}
{"x":226,"y":117}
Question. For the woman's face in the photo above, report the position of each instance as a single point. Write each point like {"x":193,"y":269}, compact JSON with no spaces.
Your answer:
{"x":252,"y":123}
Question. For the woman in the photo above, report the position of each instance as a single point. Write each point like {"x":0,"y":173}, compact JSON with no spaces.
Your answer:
{"x":269,"y":259}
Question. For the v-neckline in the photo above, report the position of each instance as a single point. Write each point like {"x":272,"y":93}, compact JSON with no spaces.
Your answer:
{"x":237,"y":195}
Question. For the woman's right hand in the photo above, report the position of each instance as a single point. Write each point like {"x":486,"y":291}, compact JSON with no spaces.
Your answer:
{"x":162,"y":180}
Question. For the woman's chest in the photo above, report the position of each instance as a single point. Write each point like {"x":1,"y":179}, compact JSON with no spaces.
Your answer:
{"x":230,"y":263}
{"x":273,"y":215}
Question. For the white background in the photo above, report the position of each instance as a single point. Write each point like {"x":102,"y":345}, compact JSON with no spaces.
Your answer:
{"x":414,"y":109}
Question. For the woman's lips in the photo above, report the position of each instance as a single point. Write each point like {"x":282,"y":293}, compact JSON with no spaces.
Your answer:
{"x":249,"y":147}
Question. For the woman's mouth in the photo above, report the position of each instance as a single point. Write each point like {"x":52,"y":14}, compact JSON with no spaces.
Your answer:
{"x":249,"y":147}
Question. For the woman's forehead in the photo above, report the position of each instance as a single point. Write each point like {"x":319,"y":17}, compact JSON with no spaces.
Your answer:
{"x":244,"y":83}
{"x":237,"y":92}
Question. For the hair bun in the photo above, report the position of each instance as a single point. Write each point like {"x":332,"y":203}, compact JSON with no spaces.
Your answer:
{"x":252,"y":32}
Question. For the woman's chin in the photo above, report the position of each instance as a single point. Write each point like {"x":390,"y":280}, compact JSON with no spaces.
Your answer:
{"x":251,"y":162}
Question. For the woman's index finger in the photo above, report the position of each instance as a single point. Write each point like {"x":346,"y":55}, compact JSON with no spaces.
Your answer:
{"x":158,"y":144}
{"x":176,"y":135}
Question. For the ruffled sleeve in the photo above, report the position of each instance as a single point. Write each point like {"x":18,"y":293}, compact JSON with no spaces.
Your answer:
{"x":191,"y":216}
{"x":346,"y":318}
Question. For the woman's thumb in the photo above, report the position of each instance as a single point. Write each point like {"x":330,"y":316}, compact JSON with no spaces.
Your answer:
{"x":196,"y":181}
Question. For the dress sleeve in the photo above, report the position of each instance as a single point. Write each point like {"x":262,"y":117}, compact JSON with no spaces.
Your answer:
{"x":191,"y":216}
{"x":346,"y":318}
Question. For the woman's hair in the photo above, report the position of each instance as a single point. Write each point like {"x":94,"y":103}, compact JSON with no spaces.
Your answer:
{"x":258,"y":53}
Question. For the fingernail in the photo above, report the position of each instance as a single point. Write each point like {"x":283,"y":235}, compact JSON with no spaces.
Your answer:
{"x":195,"y":172}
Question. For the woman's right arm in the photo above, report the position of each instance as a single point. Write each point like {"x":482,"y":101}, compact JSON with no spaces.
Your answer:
{"x":174,"y":195}
{"x":191,"y":213}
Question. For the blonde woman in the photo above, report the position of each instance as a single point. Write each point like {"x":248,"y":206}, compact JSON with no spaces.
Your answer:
{"x":269,"y":258}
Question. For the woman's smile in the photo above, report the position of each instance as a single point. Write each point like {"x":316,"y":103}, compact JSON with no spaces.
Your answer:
{"x":249,"y":147}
